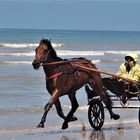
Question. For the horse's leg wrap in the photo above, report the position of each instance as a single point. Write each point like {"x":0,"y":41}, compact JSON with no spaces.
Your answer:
{"x":48,"y":106}
{"x":43,"y":119}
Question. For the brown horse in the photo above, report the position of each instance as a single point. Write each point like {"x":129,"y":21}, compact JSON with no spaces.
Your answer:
{"x":63,"y":77}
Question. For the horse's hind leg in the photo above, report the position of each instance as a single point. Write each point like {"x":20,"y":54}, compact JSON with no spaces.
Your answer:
{"x":70,"y":116}
{"x":97,"y":85}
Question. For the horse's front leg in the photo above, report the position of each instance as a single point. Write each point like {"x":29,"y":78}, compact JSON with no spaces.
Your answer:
{"x":47,"y":108}
{"x":59,"y":109}
{"x":70,"y":116}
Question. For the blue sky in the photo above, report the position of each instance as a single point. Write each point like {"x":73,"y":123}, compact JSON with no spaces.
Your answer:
{"x":71,"y":14}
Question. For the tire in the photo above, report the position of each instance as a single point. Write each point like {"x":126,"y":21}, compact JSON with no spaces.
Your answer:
{"x":96,"y":115}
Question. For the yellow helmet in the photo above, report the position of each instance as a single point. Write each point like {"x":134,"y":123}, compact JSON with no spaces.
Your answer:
{"x":133,"y":55}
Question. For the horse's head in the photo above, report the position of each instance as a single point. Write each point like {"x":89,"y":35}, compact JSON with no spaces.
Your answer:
{"x":42,"y":52}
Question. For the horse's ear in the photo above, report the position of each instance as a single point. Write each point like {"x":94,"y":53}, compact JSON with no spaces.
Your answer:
{"x":50,"y":40}
{"x":41,"y":39}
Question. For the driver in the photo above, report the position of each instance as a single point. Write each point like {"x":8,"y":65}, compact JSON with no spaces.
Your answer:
{"x":130,"y":69}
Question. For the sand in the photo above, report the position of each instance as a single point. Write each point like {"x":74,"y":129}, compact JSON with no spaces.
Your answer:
{"x":20,"y":126}
{"x":106,"y":133}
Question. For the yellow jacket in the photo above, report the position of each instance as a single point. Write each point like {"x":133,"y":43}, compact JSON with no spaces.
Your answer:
{"x":133,"y":74}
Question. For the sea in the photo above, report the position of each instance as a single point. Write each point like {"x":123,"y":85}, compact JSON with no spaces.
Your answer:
{"x":23,"y":93}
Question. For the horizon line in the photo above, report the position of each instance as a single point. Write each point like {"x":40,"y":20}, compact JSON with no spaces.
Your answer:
{"x":96,"y":30}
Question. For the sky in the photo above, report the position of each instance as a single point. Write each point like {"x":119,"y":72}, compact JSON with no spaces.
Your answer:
{"x":120,"y":15}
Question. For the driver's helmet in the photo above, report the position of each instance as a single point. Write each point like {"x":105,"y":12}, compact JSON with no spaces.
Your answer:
{"x":134,"y":56}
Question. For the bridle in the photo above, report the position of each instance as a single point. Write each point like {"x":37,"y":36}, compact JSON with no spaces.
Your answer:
{"x":44,"y":59}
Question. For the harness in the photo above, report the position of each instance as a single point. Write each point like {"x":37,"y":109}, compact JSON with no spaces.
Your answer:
{"x":54,"y":75}
{"x":73,"y":70}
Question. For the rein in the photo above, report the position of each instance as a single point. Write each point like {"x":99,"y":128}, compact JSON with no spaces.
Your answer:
{"x":53,"y":63}
{"x":91,"y":69}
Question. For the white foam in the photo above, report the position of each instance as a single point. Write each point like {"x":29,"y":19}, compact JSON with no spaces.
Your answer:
{"x":93,"y":53}
{"x":121,"y":52}
{"x":13,"y":45}
{"x":79,"y":53}
{"x":16,"y":62}
{"x":30,"y":62}
{"x":26,"y":45}
{"x":19,"y":54}
{"x":73,"y":53}
{"x":96,"y":61}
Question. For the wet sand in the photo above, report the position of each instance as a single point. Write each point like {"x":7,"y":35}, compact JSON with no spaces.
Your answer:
{"x":22,"y":126}
{"x":131,"y":132}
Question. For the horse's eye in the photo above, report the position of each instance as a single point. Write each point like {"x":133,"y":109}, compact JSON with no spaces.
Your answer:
{"x":45,"y":48}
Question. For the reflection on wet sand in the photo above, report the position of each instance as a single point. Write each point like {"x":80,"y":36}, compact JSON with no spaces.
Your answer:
{"x":82,"y":132}
{"x":97,"y":135}
{"x":112,"y":133}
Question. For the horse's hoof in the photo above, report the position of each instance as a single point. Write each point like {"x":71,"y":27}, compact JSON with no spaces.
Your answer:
{"x":115,"y":117}
{"x":73,"y":118}
{"x":40,"y":125}
{"x":64,"y":126}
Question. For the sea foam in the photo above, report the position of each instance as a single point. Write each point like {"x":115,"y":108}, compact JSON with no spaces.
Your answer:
{"x":26,"y":45}
{"x":72,"y":53}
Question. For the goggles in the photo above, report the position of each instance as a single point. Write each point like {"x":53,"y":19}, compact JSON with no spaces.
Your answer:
{"x":129,"y":59}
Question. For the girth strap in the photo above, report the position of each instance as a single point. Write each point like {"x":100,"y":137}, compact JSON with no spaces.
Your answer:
{"x":54,"y":75}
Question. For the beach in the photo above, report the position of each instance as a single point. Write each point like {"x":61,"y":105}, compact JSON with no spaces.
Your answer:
{"x":23,"y":126}
{"x":23,"y":92}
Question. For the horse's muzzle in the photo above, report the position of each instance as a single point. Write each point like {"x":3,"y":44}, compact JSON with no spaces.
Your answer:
{"x":36,"y":64}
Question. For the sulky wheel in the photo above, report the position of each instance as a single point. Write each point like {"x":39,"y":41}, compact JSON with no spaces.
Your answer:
{"x":96,"y":114}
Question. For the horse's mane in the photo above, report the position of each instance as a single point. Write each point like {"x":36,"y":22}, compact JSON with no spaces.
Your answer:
{"x":51,"y":49}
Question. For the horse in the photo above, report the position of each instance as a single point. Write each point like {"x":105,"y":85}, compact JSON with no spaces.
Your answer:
{"x":63,"y":77}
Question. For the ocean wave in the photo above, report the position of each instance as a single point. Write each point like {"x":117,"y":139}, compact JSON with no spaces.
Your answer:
{"x":21,"y":110}
{"x":26,"y":45}
{"x":80,"y":53}
{"x":72,"y":53}
{"x":16,"y":62}
{"x":95,"y":61}
{"x":18,"y":54}
{"x":84,"y":108}
{"x":30,"y":62}
{"x":120,"y":52}
{"x":93,"y":53}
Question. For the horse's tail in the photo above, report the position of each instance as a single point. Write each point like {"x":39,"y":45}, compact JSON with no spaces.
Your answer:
{"x":90,"y":92}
